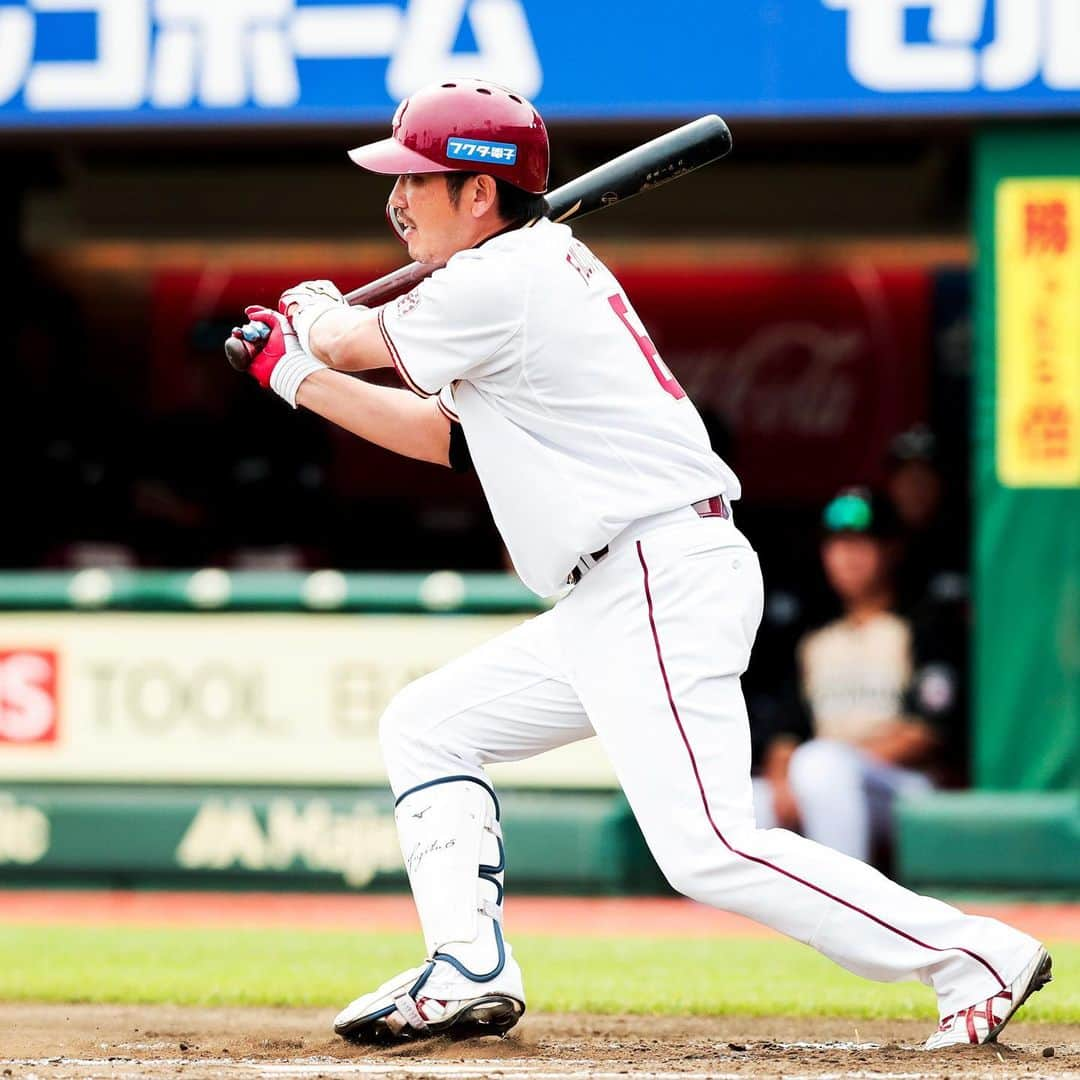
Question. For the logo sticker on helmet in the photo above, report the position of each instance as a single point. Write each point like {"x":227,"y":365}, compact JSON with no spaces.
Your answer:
{"x":498,"y":153}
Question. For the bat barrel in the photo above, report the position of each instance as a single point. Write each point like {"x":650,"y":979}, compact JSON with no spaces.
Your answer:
{"x":648,"y":166}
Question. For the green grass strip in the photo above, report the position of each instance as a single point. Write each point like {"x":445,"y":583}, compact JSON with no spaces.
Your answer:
{"x":717,"y":976}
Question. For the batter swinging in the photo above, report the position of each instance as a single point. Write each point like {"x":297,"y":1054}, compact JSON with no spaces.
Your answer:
{"x":525,"y":358}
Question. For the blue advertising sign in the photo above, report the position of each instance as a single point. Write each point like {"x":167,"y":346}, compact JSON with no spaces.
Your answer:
{"x":202,"y":62}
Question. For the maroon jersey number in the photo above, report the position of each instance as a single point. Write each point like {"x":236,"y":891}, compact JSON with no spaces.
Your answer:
{"x":648,"y":349}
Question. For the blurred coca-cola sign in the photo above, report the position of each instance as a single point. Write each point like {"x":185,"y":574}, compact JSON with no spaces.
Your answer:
{"x":812,"y":370}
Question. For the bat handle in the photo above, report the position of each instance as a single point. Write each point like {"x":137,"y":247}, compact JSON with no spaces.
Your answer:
{"x":245,"y":343}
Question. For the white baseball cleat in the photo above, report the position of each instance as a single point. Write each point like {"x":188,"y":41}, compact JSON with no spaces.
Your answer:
{"x":435,"y":999}
{"x":981,"y":1022}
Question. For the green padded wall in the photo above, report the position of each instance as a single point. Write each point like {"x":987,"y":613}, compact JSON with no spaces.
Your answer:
{"x":983,"y":840}
{"x":131,"y":835}
{"x":1026,"y":558}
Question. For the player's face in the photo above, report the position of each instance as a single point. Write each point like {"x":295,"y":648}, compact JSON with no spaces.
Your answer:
{"x":435,"y":228}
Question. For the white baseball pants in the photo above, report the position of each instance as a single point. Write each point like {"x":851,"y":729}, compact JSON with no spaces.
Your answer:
{"x":646,"y":652}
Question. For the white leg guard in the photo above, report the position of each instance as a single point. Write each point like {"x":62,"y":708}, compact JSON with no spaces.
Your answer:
{"x":470,"y":984}
{"x":452,"y":844}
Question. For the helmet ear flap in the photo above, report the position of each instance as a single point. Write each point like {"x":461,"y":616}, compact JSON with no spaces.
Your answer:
{"x":392,"y":218}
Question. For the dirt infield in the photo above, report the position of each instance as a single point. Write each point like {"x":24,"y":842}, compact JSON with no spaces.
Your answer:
{"x":60,"y":1042}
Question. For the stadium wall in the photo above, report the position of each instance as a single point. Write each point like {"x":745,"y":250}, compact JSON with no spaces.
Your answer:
{"x":232,"y":738}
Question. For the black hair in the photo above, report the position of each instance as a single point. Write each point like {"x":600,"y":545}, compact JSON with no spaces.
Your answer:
{"x":515,"y":205}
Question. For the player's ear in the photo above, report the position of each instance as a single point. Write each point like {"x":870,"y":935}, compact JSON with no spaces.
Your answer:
{"x":485,"y":195}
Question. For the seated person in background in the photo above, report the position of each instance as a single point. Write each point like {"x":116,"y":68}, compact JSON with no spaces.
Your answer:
{"x":933,"y":565}
{"x":932,"y":582}
{"x":870,"y":740}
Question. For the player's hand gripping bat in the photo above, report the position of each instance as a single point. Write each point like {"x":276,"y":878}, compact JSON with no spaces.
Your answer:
{"x":645,"y":167}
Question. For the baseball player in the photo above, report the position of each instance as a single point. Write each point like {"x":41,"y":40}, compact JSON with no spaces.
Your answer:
{"x":524,"y":359}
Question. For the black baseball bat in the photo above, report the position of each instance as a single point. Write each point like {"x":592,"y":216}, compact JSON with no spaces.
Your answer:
{"x":648,"y":166}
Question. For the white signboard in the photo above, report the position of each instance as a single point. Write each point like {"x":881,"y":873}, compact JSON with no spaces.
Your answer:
{"x":225,"y":54}
{"x":1033,"y":39}
{"x":282,"y":699}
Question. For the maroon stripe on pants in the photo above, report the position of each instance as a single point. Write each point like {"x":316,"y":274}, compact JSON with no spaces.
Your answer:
{"x":754,"y":858}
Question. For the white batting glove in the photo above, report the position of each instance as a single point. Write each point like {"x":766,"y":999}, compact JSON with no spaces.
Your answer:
{"x":309,"y":300}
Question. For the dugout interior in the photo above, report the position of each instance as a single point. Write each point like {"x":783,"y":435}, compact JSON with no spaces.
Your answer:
{"x":811,"y":292}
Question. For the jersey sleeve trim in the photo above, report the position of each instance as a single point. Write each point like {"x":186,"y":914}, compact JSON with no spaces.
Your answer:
{"x":406,"y":378}
{"x":448,"y":412}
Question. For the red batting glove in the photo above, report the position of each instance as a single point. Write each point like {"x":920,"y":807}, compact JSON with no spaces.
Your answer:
{"x":281,"y":365}
{"x":281,"y":340}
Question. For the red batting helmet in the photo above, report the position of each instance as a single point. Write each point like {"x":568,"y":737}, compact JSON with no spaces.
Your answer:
{"x":464,"y":125}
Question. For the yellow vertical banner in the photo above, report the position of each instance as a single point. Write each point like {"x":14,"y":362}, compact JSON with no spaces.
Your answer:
{"x":1038,"y":332}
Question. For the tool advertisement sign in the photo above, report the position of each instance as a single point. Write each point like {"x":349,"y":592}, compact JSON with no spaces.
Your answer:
{"x":29,"y":709}
{"x":229,"y":698}
{"x":197,"y":62}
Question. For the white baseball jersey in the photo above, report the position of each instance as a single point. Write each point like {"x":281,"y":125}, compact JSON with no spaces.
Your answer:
{"x":575,"y":426}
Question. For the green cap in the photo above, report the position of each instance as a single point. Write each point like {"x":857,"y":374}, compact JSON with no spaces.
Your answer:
{"x":857,"y":509}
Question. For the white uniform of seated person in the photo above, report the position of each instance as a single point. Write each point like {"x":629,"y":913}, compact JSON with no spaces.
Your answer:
{"x":858,"y":680}
{"x":525,"y":354}
{"x":854,"y":676}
